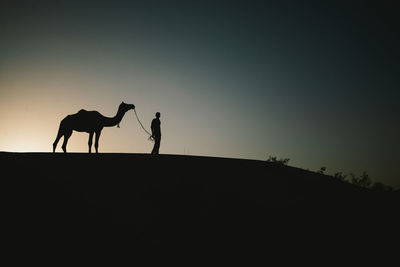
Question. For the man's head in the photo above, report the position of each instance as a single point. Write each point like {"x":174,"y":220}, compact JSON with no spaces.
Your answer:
{"x":158,"y":115}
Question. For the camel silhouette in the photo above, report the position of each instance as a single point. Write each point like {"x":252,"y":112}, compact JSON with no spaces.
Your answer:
{"x":90,"y":122}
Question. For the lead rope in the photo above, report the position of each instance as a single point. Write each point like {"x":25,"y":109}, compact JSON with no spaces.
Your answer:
{"x":137,"y":117}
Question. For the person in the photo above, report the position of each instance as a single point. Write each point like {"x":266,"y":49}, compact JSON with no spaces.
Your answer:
{"x":156,"y":133}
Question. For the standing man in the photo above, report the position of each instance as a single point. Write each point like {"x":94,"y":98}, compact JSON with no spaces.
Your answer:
{"x":156,"y":133}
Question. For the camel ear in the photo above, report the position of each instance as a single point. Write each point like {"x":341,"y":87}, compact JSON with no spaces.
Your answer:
{"x":122,"y":102}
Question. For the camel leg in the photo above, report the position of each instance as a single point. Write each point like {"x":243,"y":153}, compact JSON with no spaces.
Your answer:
{"x":57,"y":139}
{"x":96,"y":143}
{"x":67,"y":135}
{"x":90,"y":141}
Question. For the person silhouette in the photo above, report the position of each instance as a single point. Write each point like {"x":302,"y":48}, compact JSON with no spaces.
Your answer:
{"x":156,"y":133}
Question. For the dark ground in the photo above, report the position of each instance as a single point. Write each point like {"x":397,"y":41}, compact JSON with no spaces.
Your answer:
{"x":205,"y":201}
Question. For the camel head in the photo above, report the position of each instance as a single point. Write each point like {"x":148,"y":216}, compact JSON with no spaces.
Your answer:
{"x":125,"y":107}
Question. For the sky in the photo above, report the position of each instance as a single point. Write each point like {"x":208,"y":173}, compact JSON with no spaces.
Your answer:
{"x":313,"y":81}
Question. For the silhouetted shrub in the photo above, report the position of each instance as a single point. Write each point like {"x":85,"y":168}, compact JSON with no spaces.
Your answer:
{"x":322,"y":170}
{"x":281,"y":161}
{"x":381,"y":187}
{"x":363,"y":181}
{"x":340,"y":176}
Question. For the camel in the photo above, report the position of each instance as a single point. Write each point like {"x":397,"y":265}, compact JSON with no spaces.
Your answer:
{"x":90,"y":122}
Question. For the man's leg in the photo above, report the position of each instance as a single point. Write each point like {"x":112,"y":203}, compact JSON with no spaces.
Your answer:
{"x":158,"y":144}
{"x":156,"y":147}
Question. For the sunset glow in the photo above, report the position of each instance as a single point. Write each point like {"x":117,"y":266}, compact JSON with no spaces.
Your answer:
{"x":230,"y":80}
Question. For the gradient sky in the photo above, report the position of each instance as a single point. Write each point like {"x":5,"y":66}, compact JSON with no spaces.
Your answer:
{"x":314,"y":82}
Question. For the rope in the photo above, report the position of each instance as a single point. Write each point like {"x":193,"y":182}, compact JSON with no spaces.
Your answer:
{"x":137,"y":117}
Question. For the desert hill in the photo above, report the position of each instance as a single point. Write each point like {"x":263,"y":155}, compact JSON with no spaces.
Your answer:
{"x":181,"y":196}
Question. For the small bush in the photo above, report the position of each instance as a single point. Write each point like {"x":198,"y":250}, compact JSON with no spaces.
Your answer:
{"x":322,"y":170}
{"x":340,"y":176}
{"x":381,"y":187}
{"x":281,"y":161}
{"x":363,"y":181}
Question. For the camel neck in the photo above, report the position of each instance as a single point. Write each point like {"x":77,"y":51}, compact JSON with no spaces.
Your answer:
{"x":109,"y":122}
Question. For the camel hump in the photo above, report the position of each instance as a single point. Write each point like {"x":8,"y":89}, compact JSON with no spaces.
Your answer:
{"x":82,"y":111}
